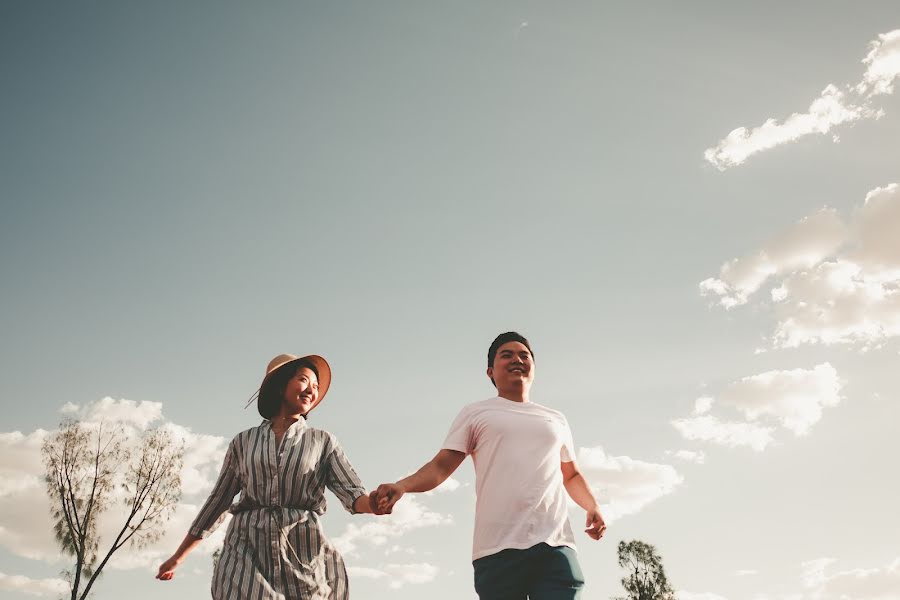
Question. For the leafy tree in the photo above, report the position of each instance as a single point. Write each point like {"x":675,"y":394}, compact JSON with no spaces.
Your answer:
{"x":646,"y":578}
{"x":88,"y":469}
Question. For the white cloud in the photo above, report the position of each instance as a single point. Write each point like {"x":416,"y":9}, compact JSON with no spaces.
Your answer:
{"x":25,"y":528}
{"x":691,"y":456}
{"x":623,"y":485}
{"x":801,"y":246}
{"x":408,"y":514}
{"x":829,"y":287}
{"x":834,"y":106}
{"x":34,"y":587}
{"x":411,"y":573}
{"x":398,"y":575}
{"x":703,"y":405}
{"x":879,"y":583}
{"x":708,"y":428}
{"x":108,"y":410}
{"x":69,"y":408}
{"x":21,"y":466}
{"x":367,"y":572}
{"x":685,"y":595}
{"x":883,"y":64}
{"x":836,"y":303}
{"x":875,"y":224}
{"x":449,"y":485}
{"x":792,"y":399}
{"x":831,"y":108}
{"x":746,"y":572}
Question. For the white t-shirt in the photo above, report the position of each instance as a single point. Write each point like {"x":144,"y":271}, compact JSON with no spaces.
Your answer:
{"x":517,"y":448}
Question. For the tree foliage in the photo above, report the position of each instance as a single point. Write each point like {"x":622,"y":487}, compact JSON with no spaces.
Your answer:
{"x":89,"y":469}
{"x":646,"y":578}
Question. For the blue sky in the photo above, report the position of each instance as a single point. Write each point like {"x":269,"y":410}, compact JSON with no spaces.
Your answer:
{"x":188,"y":191}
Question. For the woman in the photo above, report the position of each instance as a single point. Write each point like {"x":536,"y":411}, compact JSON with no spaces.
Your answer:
{"x":274,"y":547}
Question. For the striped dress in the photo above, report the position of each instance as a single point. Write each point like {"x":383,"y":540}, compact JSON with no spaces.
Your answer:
{"x":274,"y":547}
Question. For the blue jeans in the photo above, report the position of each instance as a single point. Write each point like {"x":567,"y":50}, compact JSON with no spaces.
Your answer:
{"x":542,"y":572}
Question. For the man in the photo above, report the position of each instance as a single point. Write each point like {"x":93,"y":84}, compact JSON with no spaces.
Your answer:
{"x":524,"y":458}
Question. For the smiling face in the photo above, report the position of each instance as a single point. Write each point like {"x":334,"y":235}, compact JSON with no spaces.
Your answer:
{"x":300,"y":392}
{"x":513,"y":367}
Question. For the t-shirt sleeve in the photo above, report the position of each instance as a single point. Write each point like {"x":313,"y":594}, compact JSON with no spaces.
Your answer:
{"x":567,"y":449}
{"x":460,"y":437}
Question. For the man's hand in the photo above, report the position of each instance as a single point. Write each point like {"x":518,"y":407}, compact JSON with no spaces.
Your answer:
{"x":385,"y":497}
{"x":595,"y":524}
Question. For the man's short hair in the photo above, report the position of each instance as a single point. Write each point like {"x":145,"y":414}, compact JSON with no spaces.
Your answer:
{"x":504,"y":338}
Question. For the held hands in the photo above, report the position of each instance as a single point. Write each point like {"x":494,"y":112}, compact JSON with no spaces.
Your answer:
{"x":595,"y":524}
{"x":383,"y":498}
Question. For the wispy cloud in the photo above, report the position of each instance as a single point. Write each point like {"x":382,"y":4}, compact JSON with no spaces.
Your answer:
{"x":836,"y":105}
{"x":878,"y":583}
{"x":832,"y":280}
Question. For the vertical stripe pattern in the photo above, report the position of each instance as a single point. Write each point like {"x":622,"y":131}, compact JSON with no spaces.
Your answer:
{"x":274,"y":547}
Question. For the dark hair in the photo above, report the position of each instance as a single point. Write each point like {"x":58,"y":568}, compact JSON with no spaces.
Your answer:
{"x":271,"y":392}
{"x":504,"y":338}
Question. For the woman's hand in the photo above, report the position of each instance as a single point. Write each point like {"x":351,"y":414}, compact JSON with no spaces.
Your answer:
{"x":167,"y":569}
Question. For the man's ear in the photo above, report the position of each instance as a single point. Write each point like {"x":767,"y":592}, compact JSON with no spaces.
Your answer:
{"x":490,"y":373}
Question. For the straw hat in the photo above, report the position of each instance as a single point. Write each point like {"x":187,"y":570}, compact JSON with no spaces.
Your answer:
{"x":285,"y":359}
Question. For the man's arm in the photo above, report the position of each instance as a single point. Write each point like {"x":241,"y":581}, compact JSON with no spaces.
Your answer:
{"x":581,"y":493}
{"x":432,"y":474}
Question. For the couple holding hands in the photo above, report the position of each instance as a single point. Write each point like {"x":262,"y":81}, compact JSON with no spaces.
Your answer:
{"x":524,"y":461}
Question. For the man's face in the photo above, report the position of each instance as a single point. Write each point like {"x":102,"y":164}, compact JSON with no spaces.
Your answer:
{"x":513,"y":366}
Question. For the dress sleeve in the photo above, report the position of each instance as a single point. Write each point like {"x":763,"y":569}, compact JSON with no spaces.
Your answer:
{"x":461,"y":436}
{"x":213,"y":511}
{"x":341,"y":478}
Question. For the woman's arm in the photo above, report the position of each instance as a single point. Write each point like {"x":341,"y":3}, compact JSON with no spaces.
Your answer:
{"x":210,"y":516}
{"x":167,"y":569}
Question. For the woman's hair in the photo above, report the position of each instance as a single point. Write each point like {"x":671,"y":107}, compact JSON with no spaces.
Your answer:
{"x":271,"y":393}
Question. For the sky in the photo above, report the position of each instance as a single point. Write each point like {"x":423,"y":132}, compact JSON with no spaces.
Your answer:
{"x":689,"y":209}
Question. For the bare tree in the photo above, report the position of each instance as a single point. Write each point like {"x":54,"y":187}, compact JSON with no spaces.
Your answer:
{"x":646,"y":579}
{"x":87,"y":470}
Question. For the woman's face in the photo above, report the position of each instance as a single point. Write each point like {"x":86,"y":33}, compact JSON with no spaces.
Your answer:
{"x":301,"y":392}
